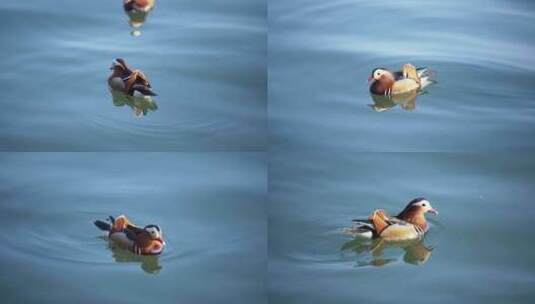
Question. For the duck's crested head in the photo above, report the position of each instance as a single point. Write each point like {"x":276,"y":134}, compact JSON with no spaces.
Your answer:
{"x":118,"y":64}
{"x":143,"y":5}
{"x":155,"y":233}
{"x":419,"y":205}
{"x":378,"y":73}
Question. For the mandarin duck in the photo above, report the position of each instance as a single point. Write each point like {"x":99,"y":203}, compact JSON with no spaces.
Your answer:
{"x":410,"y":78}
{"x":125,"y":80}
{"x":143,"y":241}
{"x":137,"y":11}
{"x":138,"y":5}
{"x":408,"y":224}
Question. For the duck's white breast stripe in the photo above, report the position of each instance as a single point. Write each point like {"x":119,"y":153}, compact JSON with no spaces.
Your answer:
{"x":136,"y":249}
{"x":419,"y":230}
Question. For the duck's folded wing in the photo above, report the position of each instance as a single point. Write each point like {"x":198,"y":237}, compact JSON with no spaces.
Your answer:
{"x":143,"y":90}
{"x":398,"y":75}
{"x":135,"y":229}
{"x":131,"y":233}
{"x":390,"y":220}
{"x":362,"y":223}
{"x":139,"y":235}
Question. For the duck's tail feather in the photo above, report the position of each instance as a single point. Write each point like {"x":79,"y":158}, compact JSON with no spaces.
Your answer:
{"x":426,"y":77}
{"x":359,"y":233}
{"x":363,"y":223}
{"x":103,"y":225}
{"x":426,"y":81}
{"x":362,"y":229}
{"x":423,"y":71}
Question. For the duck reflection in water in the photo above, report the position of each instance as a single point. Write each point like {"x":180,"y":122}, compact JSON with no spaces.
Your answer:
{"x":137,"y":11}
{"x":406,"y":101}
{"x":140,"y":104}
{"x":379,"y":252}
{"x":149,"y":263}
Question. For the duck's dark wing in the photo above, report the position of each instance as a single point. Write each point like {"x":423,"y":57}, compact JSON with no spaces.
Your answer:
{"x":142,"y":89}
{"x":398,"y":75}
{"x":102,"y":225}
{"x":134,"y":233}
{"x":131,"y":234}
{"x":369,"y":223}
{"x":135,"y":228}
{"x":361,"y":221}
{"x":128,"y":5}
{"x":363,"y":225}
{"x":139,"y":235}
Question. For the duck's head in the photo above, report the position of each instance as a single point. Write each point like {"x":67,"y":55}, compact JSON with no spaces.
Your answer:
{"x":418,"y":206}
{"x":155,"y":233}
{"x":378,"y":73}
{"x":157,"y":244}
{"x":118,"y":65}
{"x":143,"y":5}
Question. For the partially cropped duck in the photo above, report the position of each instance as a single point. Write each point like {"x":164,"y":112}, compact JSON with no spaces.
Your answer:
{"x":128,"y":81}
{"x":138,"y":5}
{"x":410,"y":78}
{"x":408,"y":224}
{"x":137,"y":11}
{"x":143,"y":241}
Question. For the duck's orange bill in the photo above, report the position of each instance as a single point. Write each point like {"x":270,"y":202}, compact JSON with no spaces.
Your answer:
{"x":161,"y":241}
{"x":433,"y":211}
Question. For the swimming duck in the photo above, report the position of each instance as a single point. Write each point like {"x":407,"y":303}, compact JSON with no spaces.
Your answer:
{"x":125,"y":80}
{"x":144,"y":241}
{"x":385,"y":82}
{"x":137,"y":11}
{"x":138,"y":5}
{"x":408,"y":224}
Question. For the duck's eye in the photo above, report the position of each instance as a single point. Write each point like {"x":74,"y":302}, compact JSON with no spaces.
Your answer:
{"x":423,"y":205}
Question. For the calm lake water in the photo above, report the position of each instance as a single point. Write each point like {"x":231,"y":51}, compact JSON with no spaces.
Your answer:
{"x":211,"y":207}
{"x":479,"y":247}
{"x":205,"y":59}
{"x":321,"y":54}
